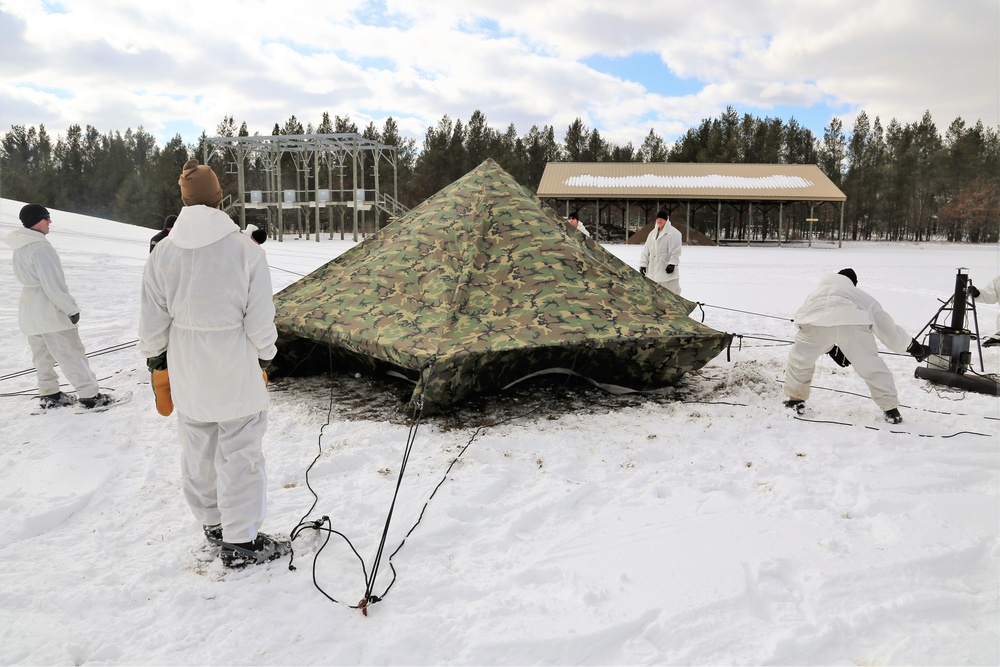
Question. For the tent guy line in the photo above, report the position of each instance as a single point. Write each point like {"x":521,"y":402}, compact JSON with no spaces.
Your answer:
{"x":325,"y":524}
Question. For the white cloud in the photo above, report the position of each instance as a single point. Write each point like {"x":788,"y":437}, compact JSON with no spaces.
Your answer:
{"x":156,"y":63}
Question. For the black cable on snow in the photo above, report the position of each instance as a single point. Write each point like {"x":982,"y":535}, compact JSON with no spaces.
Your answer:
{"x":879,"y":428}
{"x":96,"y":353}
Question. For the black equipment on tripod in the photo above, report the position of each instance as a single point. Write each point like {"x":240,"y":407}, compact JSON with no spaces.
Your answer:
{"x":950,"y":362}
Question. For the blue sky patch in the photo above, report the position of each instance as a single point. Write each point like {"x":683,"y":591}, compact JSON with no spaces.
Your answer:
{"x":375,"y":13}
{"x":188,"y":130}
{"x":53,"y":7}
{"x":61,"y":93}
{"x":646,"y":69}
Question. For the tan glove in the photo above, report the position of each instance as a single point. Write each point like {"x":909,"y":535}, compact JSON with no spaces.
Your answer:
{"x":264,"y":373}
{"x":161,"y":388}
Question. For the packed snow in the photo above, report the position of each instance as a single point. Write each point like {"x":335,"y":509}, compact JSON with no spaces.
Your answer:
{"x":703,"y":525}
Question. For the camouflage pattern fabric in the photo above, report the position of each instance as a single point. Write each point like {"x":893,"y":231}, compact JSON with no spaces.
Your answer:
{"x":481,"y":285}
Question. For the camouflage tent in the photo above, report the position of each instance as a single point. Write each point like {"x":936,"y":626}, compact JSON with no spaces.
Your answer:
{"x":480,"y":286}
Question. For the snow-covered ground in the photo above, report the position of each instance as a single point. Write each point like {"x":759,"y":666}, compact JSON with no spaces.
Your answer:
{"x":705,"y":527}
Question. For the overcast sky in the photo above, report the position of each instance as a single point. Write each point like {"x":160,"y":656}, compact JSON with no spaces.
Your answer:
{"x":623,"y":66}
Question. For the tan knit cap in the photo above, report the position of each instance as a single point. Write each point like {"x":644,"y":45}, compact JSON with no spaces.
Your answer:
{"x":199,"y":185}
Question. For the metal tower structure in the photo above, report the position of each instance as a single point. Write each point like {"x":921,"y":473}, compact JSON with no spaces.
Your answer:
{"x":308,"y":152}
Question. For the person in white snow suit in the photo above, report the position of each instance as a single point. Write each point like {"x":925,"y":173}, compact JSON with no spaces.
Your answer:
{"x":574,"y":221}
{"x":843,"y":321}
{"x":989,"y":294}
{"x":206,"y":327}
{"x":48,"y":315}
{"x":661,"y":256}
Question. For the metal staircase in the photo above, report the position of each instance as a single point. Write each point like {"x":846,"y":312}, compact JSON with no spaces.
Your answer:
{"x":390,"y":206}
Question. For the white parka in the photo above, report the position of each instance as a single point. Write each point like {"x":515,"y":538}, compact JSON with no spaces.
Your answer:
{"x":663,"y":247}
{"x":838,"y":302}
{"x":45,"y":304}
{"x":207,"y":301}
{"x":991,"y":294}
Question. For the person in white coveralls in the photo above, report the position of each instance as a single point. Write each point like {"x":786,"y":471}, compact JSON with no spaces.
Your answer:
{"x":207,"y":328}
{"x":48,"y":314}
{"x":843,"y":321}
{"x":989,"y":294}
{"x":661,"y":256}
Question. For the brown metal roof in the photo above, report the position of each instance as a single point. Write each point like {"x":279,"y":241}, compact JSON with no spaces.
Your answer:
{"x":687,"y":180}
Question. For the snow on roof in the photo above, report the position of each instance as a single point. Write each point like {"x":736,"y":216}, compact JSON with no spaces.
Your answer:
{"x":689,"y":182}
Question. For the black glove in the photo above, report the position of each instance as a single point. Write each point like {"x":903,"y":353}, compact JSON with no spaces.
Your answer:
{"x":919,"y":352}
{"x":670,"y":268}
{"x":839,"y":357}
{"x":973,"y":291}
{"x":157,"y":363}
{"x":265,"y":364}
{"x":75,"y":317}
{"x":642,"y":270}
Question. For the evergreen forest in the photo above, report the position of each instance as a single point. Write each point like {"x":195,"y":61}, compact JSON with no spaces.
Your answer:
{"x":904,"y":181}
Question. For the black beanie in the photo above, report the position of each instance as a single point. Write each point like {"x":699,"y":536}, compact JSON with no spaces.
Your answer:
{"x":573,"y":216}
{"x":850,"y":274}
{"x":31,"y":214}
{"x":664,"y":215}
{"x":168,"y":222}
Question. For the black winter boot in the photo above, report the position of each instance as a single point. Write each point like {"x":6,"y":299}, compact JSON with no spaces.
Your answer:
{"x":795,"y":404}
{"x":56,"y":400}
{"x":263,"y":549}
{"x":893,"y":416}
{"x":213,"y":534}
{"x":98,"y":401}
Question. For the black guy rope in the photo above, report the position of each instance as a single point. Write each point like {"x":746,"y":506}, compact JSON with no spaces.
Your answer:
{"x":325,"y":525}
{"x":877,"y":428}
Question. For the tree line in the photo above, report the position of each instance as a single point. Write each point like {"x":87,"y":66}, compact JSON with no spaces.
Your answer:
{"x":903,"y":181}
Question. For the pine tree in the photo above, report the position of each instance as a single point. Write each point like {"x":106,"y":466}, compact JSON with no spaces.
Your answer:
{"x":653,"y":148}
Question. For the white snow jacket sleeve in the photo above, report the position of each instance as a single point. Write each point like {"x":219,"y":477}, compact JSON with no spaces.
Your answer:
{"x":990,"y":293}
{"x":837,"y":302}
{"x":45,"y":304}
{"x":207,"y":301}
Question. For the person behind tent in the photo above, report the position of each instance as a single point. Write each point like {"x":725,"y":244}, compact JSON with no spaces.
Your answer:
{"x":256,"y":234}
{"x":843,"y":321}
{"x":206,"y":327}
{"x":989,"y":294}
{"x":48,"y":315}
{"x":661,"y":256}
{"x":574,"y":222}
{"x":168,"y":224}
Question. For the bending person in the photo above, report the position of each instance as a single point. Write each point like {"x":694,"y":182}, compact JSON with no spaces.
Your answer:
{"x":841,"y":320}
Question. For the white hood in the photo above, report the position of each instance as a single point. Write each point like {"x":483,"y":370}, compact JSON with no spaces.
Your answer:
{"x":23,"y":236}
{"x":199,"y":226}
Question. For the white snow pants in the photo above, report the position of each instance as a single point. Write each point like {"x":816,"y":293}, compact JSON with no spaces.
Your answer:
{"x":857,"y":342}
{"x":222,"y":468}
{"x":66,"y":349}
